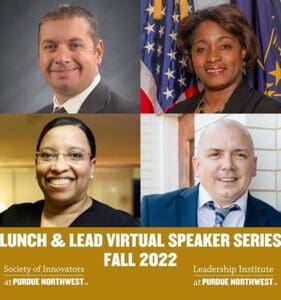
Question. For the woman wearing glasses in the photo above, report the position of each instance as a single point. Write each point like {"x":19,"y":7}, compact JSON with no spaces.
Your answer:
{"x":65,"y":163}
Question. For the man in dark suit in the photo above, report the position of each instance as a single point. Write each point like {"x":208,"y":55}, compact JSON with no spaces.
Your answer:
{"x":70,"y":53}
{"x":225,"y":164}
{"x":100,"y":100}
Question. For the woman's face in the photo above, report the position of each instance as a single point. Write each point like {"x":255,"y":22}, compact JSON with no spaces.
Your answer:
{"x":217,"y":56}
{"x":64,"y":180}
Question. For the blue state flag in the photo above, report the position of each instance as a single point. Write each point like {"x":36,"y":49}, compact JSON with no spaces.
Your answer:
{"x":265,"y":17}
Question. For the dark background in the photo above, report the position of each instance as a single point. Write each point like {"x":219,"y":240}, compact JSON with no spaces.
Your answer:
{"x":23,"y":90}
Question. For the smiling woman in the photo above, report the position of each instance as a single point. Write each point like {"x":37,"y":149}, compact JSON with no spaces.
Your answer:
{"x":65,"y":163}
{"x":220,"y":46}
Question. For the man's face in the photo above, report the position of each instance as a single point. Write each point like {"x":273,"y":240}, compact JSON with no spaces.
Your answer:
{"x":225,"y":163}
{"x":68,"y":58}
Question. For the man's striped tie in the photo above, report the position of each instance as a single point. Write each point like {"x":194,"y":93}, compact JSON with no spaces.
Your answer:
{"x":221,"y":213}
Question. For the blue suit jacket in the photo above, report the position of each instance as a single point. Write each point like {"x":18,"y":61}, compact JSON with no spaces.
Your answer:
{"x":179,"y":209}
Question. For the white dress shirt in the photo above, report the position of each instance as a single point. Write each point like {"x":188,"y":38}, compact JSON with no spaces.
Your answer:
{"x":72,"y":105}
{"x":206,"y":216}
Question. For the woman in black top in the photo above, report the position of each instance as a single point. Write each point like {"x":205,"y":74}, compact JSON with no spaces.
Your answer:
{"x":65,"y":162}
{"x":219,"y":46}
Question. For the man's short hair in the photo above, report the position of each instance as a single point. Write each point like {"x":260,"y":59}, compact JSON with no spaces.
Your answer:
{"x":68,"y":11}
{"x":228,"y":123}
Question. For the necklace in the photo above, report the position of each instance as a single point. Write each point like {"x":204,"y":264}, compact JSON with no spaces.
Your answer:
{"x":202,"y":104}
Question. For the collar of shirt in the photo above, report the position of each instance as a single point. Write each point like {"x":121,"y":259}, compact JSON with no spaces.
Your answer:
{"x":206,"y":216}
{"x":72,"y":105}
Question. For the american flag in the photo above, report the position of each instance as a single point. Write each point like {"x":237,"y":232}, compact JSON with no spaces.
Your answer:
{"x":164,"y":78}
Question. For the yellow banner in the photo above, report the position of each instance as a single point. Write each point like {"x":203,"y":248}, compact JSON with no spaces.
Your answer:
{"x":148,"y":263}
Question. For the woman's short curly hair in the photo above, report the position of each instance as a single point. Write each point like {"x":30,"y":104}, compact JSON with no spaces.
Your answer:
{"x":230,"y":18}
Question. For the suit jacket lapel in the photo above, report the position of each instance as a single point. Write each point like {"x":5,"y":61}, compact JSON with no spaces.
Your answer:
{"x":240,"y":99}
{"x":97,"y":99}
{"x":46,"y":109}
{"x":254,"y":214}
{"x":186,"y":207}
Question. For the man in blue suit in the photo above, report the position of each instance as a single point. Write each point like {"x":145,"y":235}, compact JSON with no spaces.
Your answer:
{"x":225,"y":164}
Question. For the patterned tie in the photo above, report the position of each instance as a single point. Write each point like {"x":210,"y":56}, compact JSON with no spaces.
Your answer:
{"x":221,"y":213}
{"x":59,"y":110}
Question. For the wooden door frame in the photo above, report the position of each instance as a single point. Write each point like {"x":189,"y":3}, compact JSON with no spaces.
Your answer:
{"x":186,"y":150}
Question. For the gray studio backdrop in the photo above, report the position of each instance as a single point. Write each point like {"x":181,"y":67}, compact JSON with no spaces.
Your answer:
{"x":22,"y":89}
